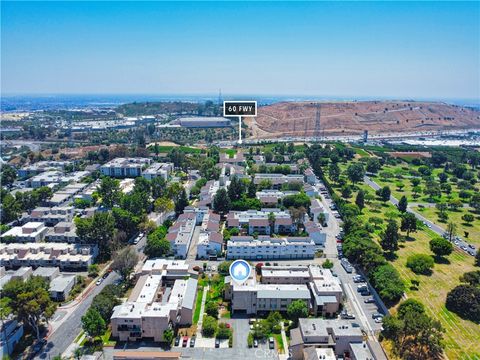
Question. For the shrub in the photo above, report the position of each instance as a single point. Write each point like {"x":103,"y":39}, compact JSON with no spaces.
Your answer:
{"x":420,"y":264}
{"x":209,"y":326}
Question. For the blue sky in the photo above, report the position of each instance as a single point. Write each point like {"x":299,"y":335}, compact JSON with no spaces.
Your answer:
{"x":385,"y":49}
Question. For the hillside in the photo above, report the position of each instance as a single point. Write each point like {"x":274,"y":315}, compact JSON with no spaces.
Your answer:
{"x":352,"y":118}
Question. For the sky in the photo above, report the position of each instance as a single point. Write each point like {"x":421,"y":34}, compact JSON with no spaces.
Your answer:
{"x":345,"y":49}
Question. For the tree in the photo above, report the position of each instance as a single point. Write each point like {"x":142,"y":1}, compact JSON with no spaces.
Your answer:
{"x":376,"y":221}
{"x":93,"y":270}
{"x":346,"y":191}
{"x":125,"y":221}
{"x":334,"y":172}
{"x":464,"y":300}
{"x":477,"y":258}
{"x":209,"y":326}
{"x":106,"y":300}
{"x":389,"y":238}
{"x":235,"y":189}
{"x":355,"y":172}
{"x":475,"y":202}
{"x":168,"y":336}
{"x":297,"y":309}
{"x":30,"y":301}
{"x":373,"y":165}
{"x":403,"y":204}
{"x":322,"y":218}
{"x":109,"y":191}
{"x":327,"y":264}
{"x":224,"y":267}
{"x":158,"y":187}
{"x":8,"y":175}
{"x":420,"y":264}
{"x":468,"y":218}
{"x":181,"y":203}
{"x":125,"y":260}
{"x":223,"y":331}
{"x":93,"y":323}
{"x":297,"y":201}
{"x":408,"y":223}
{"x":5,"y":313}
{"x":163,"y":205}
{"x":221,"y":202}
{"x":157,"y":247}
{"x":360,"y":199}
{"x":384,"y":193}
{"x":387,"y":282}
{"x":416,"y":190}
{"x":415,"y":336}
{"x":471,"y":277}
{"x":211,"y":308}
{"x":441,"y":247}
{"x":97,"y":230}
{"x":451,"y":231}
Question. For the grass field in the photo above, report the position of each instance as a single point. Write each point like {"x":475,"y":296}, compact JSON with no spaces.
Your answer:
{"x":462,"y":337}
{"x":473,"y":228}
{"x":198,"y":304}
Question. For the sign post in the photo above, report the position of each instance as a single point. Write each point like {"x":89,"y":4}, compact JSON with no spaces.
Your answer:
{"x":240,"y":108}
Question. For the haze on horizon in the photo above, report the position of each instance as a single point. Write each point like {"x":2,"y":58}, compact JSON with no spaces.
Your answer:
{"x":355,"y":49}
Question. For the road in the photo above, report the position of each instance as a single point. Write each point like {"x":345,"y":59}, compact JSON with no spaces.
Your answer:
{"x":66,"y":333}
{"x":460,"y":243}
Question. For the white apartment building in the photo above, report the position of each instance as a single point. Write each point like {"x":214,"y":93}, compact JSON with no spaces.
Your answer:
{"x":125,"y":167}
{"x":51,"y":216}
{"x":41,"y":166}
{"x":268,"y":248}
{"x":154,"y":304}
{"x":277,"y":180}
{"x":30,"y":232}
{"x":209,"y":245}
{"x":342,"y":336}
{"x":62,"y":255}
{"x":180,"y":234}
{"x":62,"y":232}
{"x":162,"y":170}
{"x":52,"y":178}
{"x":317,"y":208}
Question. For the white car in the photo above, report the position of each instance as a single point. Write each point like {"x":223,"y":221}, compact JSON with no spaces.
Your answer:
{"x":99,"y":281}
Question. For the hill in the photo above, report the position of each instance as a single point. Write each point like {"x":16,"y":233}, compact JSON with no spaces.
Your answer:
{"x":352,"y":118}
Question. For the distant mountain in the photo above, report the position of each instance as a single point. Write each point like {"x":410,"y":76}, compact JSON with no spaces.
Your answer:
{"x":352,"y":118}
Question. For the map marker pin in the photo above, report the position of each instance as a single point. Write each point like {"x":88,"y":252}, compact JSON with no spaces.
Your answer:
{"x":240,"y":271}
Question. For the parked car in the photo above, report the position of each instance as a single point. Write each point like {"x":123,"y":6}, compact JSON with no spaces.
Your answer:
{"x":255,"y":343}
{"x":251,"y":321}
{"x":471,"y":246}
{"x":365,"y":293}
{"x":378,"y":320}
{"x":99,"y":281}
{"x":185,"y":341}
{"x":369,"y":301}
{"x":362,"y":287}
{"x":38,"y":346}
{"x":217,"y":343}
{"x":271,"y":343}
{"x":464,"y":248}
{"x":105,"y":275}
{"x":377,"y":315}
{"x":192,"y":342}
{"x":471,"y":252}
{"x":177,"y":341}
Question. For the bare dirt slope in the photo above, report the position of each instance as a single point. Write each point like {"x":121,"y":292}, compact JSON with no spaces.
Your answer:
{"x":352,"y":118}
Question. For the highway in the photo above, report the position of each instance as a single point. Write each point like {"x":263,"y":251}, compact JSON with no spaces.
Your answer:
{"x":460,"y":243}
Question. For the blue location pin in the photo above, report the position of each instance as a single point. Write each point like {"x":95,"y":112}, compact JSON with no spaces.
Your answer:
{"x":240,"y":271}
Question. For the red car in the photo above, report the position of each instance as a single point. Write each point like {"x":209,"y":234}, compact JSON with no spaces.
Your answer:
{"x":228,"y":325}
{"x":185,"y":341}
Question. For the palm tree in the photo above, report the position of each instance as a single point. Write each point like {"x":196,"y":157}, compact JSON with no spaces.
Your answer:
{"x":271,"y":221}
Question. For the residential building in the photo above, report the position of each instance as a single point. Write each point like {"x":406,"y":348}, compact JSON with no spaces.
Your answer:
{"x":30,"y":232}
{"x":53,"y":178}
{"x":317,"y":208}
{"x":316,"y":233}
{"x":41,"y":166}
{"x":180,"y":234}
{"x":162,"y":170}
{"x":310,"y":177}
{"x":257,"y":221}
{"x":202,"y":122}
{"x":277,"y":180}
{"x":62,"y":232}
{"x":273,"y":197}
{"x":125,"y":167}
{"x":62,"y":255}
{"x":61,"y":286}
{"x":268,"y":248}
{"x":52,"y":215}
{"x":209,"y":245}
{"x":207,"y":193}
{"x":48,"y":273}
{"x":156,"y":305}
{"x":11,"y":331}
{"x":236,"y":159}
{"x":342,"y":336}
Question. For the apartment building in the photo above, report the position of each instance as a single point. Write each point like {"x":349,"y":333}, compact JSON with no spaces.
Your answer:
{"x":62,"y":232}
{"x":52,"y":215}
{"x":272,"y":196}
{"x":253,"y":298}
{"x":162,"y":170}
{"x":310,"y":177}
{"x":258,"y":221}
{"x":344,"y":337}
{"x":41,"y":166}
{"x":63,"y":255}
{"x":125,"y":167}
{"x":316,"y":233}
{"x":61,"y":286}
{"x":209,"y":245}
{"x":277,"y":180}
{"x":269,"y":248}
{"x":29,"y":232}
{"x":317,"y":208}
{"x":207,"y":193}
{"x":11,"y":332}
{"x":155,"y":305}
{"x":236,"y":159}
{"x":53,"y":178}
{"x":180,"y":234}
{"x":325,"y":289}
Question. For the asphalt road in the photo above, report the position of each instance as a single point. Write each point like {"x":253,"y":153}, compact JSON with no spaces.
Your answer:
{"x":460,"y":243}
{"x":63,"y":336}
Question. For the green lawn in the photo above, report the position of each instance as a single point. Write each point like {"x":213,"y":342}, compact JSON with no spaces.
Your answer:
{"x":198,"y":304}
{"x":462,"y":337}
{"x":473,"y":228}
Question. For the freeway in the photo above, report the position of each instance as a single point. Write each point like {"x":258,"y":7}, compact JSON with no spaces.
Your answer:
{"x":460,"y":243}
{"x":64,"y":335}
